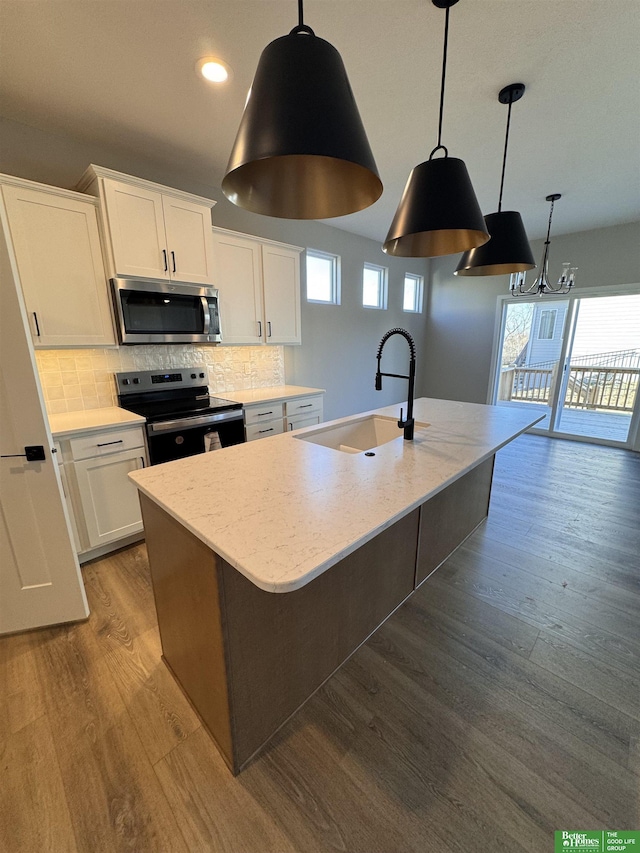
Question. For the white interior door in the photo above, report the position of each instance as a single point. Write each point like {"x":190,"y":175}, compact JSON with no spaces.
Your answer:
{"x":40,"y":580}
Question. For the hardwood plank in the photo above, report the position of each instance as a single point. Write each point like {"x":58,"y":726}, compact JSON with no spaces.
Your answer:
{"x":620,"y":690}
{"x":569,"y":615}
{"x":503,"y":677}
{"x":600,"y":586}
{"x":542,"y":737}
{"x":33,"y":808}
{"x":509,"y":631}
{"x":122,"y":607}
{"x":213,"y":809}
{"x":21,"y":697}
{"x":159,"y":710}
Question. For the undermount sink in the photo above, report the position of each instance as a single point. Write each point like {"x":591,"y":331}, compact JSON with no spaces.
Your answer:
{"x":358,"y":435}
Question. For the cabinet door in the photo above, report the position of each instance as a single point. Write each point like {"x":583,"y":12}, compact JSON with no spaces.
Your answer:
{"x":136,"y":227}
{"x":189,"y":240}
{"x":109,"y":499}
{"x":57,"y":247}
{"x":238,"y":273}
{"x":281,"y":272}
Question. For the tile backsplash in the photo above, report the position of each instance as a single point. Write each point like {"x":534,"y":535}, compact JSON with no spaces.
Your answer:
{"x":73,"y":380}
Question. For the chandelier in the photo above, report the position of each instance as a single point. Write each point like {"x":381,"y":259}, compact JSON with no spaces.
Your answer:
{"x":542,"y":286}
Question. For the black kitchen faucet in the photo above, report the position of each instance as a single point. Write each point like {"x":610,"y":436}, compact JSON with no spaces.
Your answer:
{"x":408,"y":424}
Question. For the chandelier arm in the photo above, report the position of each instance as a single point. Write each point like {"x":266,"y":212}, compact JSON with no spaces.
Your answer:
{"x":444,"y":75}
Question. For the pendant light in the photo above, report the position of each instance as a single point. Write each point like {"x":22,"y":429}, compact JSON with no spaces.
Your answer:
{"x":438,"y":213}
{"x":301,"y":151}
{"x":508,"y":250}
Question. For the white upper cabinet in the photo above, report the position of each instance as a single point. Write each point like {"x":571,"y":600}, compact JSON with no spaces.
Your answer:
{"x":56,"y":241}
{"x":259,"y":285}
{"x":281,"y":278}
{"x":238,"y":273}
{"x":153,"y":231}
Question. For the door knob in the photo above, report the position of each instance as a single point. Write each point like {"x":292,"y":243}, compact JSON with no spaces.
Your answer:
{"x":32,"y":453}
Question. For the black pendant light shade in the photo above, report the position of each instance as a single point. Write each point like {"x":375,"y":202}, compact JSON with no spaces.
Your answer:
{"x":507,"y":251}
{"x":301,"y":151}
{"x":438,"y":213}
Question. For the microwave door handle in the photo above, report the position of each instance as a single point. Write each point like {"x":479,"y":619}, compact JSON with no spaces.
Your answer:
{"x":207,"y":315}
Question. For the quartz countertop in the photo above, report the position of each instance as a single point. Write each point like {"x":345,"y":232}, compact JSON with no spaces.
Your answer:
{"x":271,"y":394}
{"x":282,"y":511}
{"x":92,"y":419}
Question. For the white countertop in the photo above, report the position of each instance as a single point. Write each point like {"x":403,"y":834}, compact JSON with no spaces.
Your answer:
{"x":92,"y":419}
{"x":271,"y":394}
{"x":282,"y":510}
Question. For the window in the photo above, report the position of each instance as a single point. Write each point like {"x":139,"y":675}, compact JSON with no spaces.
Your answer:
{"x":374,"y":286}
{"x":547,"y":324}
{"x":413,"y":290}
{"x":323,"y":277}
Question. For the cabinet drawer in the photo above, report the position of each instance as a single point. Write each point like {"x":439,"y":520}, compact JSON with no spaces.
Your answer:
{"x":264,"y":430}
{"x":299,"y":421}
{"x":103,"y":443}
{"x":260,"y":414}
{"x":302,"y":405}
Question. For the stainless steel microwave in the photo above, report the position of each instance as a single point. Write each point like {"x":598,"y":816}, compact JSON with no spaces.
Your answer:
{"x":153,"y":311}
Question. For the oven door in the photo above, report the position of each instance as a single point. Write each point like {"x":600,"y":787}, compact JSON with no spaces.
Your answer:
{"x":175,"y":439}
{"x":154,"y":311}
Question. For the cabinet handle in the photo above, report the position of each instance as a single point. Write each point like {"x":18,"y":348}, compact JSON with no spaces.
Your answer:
{"x":259,"y":328}
{"x":173,"y":260}
{"x":260,"y":431}
{"x":35,"y":317}
{"x":268,"y":328}
{"x":306,"y":406}
{"x":290,"y":426}
{"x":107,"y":443}
{"x":262,"y":414}
{"x":164,"y":255}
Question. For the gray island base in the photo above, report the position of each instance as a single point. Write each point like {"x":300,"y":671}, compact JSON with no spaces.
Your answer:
{"x":248,"y":659}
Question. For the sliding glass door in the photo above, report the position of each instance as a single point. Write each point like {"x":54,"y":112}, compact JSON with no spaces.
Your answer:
{"x":600,"y":382}
{"x":575,"y":360}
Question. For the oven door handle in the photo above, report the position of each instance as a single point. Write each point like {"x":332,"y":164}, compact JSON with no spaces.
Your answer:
{"x":188,"y":423}
{"x":206,"y":314}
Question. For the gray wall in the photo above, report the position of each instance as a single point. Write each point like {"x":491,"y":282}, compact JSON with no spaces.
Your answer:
{"x":339,"y":342}
{"x":462,"y":311}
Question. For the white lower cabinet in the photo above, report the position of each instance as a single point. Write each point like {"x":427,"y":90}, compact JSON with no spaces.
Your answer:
{"x":103,"y":502}
{"x":275,"y":417}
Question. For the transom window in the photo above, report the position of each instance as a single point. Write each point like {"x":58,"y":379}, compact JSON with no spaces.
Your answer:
{"x":413,"y":293}
{"x":323,"y":277}
{"x":374,"y":286}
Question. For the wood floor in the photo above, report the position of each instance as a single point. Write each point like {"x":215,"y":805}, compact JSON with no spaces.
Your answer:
{"x":499,"y":704}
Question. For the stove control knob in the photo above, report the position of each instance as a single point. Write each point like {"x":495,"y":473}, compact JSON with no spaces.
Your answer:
{"x":136,"y":381}
{"x":126,"y":382}
{"x":193,"y":376}
{"x":202,"y":376}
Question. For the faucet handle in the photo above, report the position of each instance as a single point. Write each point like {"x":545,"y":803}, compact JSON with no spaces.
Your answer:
{"x":401,"y":422}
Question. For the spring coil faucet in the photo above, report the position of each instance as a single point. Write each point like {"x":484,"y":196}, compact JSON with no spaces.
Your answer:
{"x":408,"y":424}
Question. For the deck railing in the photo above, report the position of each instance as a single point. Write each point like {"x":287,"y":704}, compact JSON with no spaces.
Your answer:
{"x":588,"y":387}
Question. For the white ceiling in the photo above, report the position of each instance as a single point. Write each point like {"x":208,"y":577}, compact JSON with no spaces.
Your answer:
{"x":122,"y":72}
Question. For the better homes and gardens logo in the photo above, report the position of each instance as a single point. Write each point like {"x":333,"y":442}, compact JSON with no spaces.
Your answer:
{"x":602,"y":841}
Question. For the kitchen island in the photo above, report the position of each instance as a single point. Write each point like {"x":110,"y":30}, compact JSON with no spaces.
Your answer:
{"x":273,"y":561}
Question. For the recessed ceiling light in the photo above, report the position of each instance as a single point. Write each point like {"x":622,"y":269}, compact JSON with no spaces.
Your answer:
{"x":213,"y":69}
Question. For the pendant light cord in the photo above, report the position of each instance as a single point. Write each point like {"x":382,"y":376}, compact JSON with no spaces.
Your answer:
{"x":504,"y":156}
{"x":300,"y":14}
{"x":444,"y":76}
